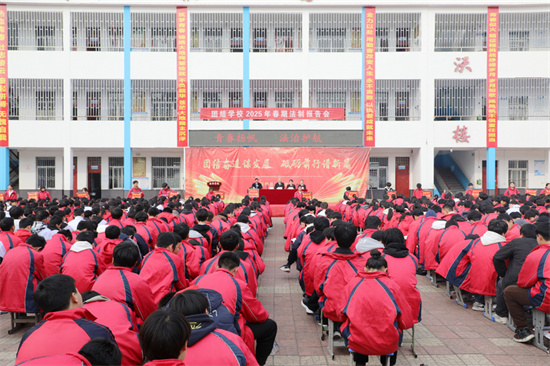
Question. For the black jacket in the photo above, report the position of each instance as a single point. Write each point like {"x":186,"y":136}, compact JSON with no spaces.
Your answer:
{"x":279,"y":185}
{"x":516,"y":251}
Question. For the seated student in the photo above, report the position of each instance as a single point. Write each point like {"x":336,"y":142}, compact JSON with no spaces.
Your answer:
{"x":372,"y":224}
{"x":248,"y":247}
{"x":375,"y":313}
{"x":418,"y":191}
{"x":193,"y":256}
{"x":513,"y":228}
{"x":402,"y":269}
{"x":163,"y":338}
{"x":533,"y":282}
{"x":335,"y":269}
{"x":54,"y":251}
{"x":24,"y":231}
{"x":20,"y":273}
{"x":448,"y":239}
{"x":120,"y":320}
{"x":346,"y":194}
{"x":229,"y":242}
{"x":290,"y":185}
{"x":239,"y":300}
{"x":162,"y":269}
{"x":306,"y":226}
{"x":97,"y":352}
{"x":119,"y":283}
{"x":229,"y":348}
{"x":116,"y":217}
{"x":482,"y":277}
{"x":508,"y":261}
{"x":205,"y":230}
{"x":82,"y":262}
{"x":66,"y":326}
{"x":7,"y":236}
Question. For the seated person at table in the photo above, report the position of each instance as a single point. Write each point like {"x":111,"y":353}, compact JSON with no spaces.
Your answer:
{"x":256,"y":184}
{"x":279,"y":184}
{"x":291,"y":185}
{"x":302,"y":185}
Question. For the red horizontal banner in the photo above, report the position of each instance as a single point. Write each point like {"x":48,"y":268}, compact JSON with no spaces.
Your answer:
{"x":273,"y":113}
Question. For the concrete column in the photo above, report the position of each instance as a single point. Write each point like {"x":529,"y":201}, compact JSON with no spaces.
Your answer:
{"x":246,"y":63}
{"x":491,"y":171}
{"x":305,"y":51}
{"x":4,"y":168}
{"x":128,"y":164}
{"x":67,"y":171}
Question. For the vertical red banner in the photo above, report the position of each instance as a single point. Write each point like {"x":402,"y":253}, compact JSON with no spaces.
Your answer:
{"x":4,"y":117}
{"x":492,"y":76}
{"x":370,"y":80}
{"x":182,"y":107}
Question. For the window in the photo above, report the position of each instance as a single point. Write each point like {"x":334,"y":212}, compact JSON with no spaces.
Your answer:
{"x":259,"y":40}
{"x":460,"y":32}
{"x":401,"y":106}
{"x":337,"y":94}
{"x":45,"y":38}
{"x":397,"y":32}
{"x":116,"y":173}
{"x":138,"y":38}
{"x":518,"y":108}
{"x":460,"y":100}
{"x":93,"y":110}
{"x":517,"y":172}
{"x":331,"y":39}
{"x":524,"y":99}
{"x":284,"y":99}
{"x":163,"y":106}
{"x":93,"y":39}
{"x":235,"y":99}
{"x":283,"y":39}
{"x":35,"y":30}
{"x":236,"y":40}
{"x":35,"y":99}
{"x":378,"y":168}
{"x":260,"y":99}
{"x":524,"y":31}
{"x":166,"y":170}
{"x":214,"y":94}
{"x":163,"y":39}
{"x":211,"y":100}
{"x":45,"y":172}
{"x":335,"y":32}
{"x":94,"y":31}
{"x":272,"y":32}
{"x":138,"y":102}
{"x":45,"y":105}
{"x":213,"y":39}
{"x":116,"y":106}
{"x":356,"y":102}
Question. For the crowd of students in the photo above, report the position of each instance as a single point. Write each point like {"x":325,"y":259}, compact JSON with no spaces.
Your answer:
{"x":133,"y":281}
{"x":359,"y":258}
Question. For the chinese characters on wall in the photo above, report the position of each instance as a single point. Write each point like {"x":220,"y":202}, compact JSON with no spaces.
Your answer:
{"x":273,"y":113}
{"x":370,"y":84}
{"x":182,"y":125}
{"x":4,"y":133}
{"x":305,"y":163}
{"x":492,"y":76}
{"x":462,"y":64}
{"x":461,"y":134}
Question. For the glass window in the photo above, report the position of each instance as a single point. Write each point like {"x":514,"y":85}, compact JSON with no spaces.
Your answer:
{"x":166,"y":170}
{"x":45,"y":172}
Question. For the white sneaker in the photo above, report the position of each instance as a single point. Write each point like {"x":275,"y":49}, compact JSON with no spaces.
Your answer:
{"x":500,"y":319}
{"x":478,"y":306}
{"x":308,"y":310}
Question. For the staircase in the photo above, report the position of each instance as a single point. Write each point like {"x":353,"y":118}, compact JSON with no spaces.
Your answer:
{"x":450,"y":181}
{"x":14,"y":168}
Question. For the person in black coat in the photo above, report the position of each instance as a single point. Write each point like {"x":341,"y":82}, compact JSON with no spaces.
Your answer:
{"x":515,"y":251}
{"x":279,"y":184}
{"x":256,"y":184}
{"x":291,"y":185}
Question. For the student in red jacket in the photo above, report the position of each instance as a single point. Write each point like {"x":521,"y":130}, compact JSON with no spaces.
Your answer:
{"x":448,"y":239}
{"x":143,"y":230}
{"x":533,"y":282}
{"x":165,"y":191}
{"x":66,"y":326}
{"x":135,"y":190}
{"x":239,"y":299}
{"x":482,"y":277}
{"x":512,"y":190}
{"x":120,"y":284}
{"x":20,"y":273}
{"x":205,"y":336}
{"x":82,"y":262}
{"x":402,"y":270}
{"x":54,"y":251}
{"x":376,"y":312}
{"x":546,"y":190}
{"x":105,"y":249}
{"x":163,"y":338}
{"x":335,"y":269}
{"x":162,"y":269}
{"x":44,"y":194}
{"x":7,"y":237}
{"x":10,"y":194}
{"x":116,"y":217}
{"x":24,"y":231}
{"x":470,"y":190}
{"x":418,"y":191}
{"x":193,"y":256}
{"x":120,"y":320}
{"x":98,"y":351}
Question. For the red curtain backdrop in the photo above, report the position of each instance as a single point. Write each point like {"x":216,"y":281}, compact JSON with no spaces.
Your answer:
{"x":326,"y":171}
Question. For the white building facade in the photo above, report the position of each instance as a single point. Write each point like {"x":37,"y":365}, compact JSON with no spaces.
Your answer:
{"x":68,"y":67}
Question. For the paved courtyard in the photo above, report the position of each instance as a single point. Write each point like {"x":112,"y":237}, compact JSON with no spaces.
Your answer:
{"x":447,"y":335}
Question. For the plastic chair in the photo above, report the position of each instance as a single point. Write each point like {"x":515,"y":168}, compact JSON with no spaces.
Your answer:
{"x":539,"y":322}
{"x":351,"y":352}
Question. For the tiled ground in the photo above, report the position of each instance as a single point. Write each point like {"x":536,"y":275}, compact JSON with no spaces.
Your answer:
{"x":448,"y":334}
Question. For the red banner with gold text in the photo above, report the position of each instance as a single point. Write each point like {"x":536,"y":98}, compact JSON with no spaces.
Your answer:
{"x":326,"y":171}
{"x":370,"y":79}
{"x":181,"y":32}
{"x":492,"y":77}
{"x":4,"y":128}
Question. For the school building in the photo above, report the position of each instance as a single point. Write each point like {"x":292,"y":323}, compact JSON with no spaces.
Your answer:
{"x":92,"y":88}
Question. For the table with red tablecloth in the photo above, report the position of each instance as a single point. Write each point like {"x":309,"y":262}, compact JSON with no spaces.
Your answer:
{"x":277,"y":196}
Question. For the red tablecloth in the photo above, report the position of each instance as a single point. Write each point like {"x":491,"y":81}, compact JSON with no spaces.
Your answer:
{"x":277,"y":196}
